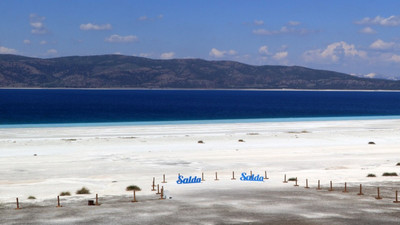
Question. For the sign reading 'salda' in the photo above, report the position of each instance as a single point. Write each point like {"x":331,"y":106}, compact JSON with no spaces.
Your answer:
{"x":251,"y":177}
{"x":188,"y":180}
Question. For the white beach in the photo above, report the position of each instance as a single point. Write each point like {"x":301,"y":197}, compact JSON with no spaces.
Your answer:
{"x":43,"y":162}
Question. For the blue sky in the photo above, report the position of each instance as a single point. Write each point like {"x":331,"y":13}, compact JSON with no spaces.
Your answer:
{"x":356,"y":37}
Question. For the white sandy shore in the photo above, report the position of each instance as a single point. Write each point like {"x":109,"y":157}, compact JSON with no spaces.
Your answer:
{"x":108,"y":159}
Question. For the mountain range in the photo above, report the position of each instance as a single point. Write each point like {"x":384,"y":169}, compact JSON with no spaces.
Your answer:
{"x":119,"y":71}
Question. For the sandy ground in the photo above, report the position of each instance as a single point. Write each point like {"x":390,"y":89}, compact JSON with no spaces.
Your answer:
{"x":43,"y":162}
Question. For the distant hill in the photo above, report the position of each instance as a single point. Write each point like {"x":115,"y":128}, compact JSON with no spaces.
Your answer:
{"x":118,"y":71}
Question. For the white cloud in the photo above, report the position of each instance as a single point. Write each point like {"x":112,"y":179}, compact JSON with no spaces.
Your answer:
{"x":381,"y":45}
{"x":263,"y":50}
{"x":160,"y":16}
{"x":91,"y":26}
{"x":43,"y":42}
{"x":121,"y":39}
{"x":27,"y":42}
{"x":294,"y":23}
{"x":143,"y":18}
{"x":37,"y":24}
{"x":334,"y":52}
{"x":4,"y":50}
{"x":367,"y":30}
{"x":382,"y":21}
{"x":52,"y":52}
{"x":217,"y":53}
{"x":283,"y":30}
{"x":221,"y":53}
{"x":167,"y":55}
{"x":395,"y":58}
{"x":370,"y":75}
{"x":280,"y":55}
{"x":232,"y":52}
{"x":258,"y":22}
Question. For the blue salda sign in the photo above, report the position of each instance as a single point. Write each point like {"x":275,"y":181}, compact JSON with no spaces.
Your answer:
{"x":252,"y":177}
{"x":188,"y":180}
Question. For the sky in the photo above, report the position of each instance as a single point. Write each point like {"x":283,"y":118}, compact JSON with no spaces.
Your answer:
{"x":357,"y":37}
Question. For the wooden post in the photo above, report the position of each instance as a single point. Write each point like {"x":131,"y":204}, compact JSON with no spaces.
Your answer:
{"x":306,"y":184}
{"x":379,"y":195}
{"x":58,"y":202}
{"x":202,"y":177}
{"x":345,"y":188}
{"x":233,"y":175}
{"x":265,"y":176}
{"x":216,"y":175}
{"x":17,"y":204}
{"x":319,"y":185}
{"x":134,"y":196}
{"x":251,"y":172}
{"x":331,"y":188}
{"x":360,"y":190}
{"x":158,"y":189}
{"x":164,"y":179}
{"x":397,"y":200}
{"x":296,"y":185}
{"x":97,"y":200}
{"x":162,"y":193}
{"x":284,"y":179}
{"x":154,"y":184}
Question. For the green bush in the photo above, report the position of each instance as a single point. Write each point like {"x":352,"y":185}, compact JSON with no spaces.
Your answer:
{"x":65,"y":193}
{"x":83,"y":191}
{"x":133,"y":188}
{"x":387,"y":174}
{"x":371,"y":175}
{"x":292,"y":179}
{"x":31,"y":197}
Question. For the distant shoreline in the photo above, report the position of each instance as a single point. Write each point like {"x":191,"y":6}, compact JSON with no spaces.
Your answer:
{"x":200,"y":122}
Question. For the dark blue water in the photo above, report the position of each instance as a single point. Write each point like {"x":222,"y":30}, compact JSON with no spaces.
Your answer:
{"x":89,"y":106}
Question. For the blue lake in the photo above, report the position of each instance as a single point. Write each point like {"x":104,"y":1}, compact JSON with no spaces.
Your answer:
{"x":71,"y":106}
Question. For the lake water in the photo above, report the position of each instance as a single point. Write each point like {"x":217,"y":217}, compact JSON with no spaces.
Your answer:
{"x":71,"y":106}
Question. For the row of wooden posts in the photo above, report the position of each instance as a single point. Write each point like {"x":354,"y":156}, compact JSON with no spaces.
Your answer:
{"x":93,"y":203}
{"x":344,"y":190}
{"x":161,"y":193}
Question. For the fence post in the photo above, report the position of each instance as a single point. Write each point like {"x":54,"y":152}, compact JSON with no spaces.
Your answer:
{"x":319,"y":185}
{"x":296,"y":185}
{"x":396,"y":201}
{"x":360,"y":190}
{"x":345,"y":187}
{"x":17,"y":204}
{"x":154,"y":184}
{"x":58,"y":202}
{"x":158,"y":189}
{"x":379,"y":195}
{"x":284,"y":179}
{"x":162,"y":193}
